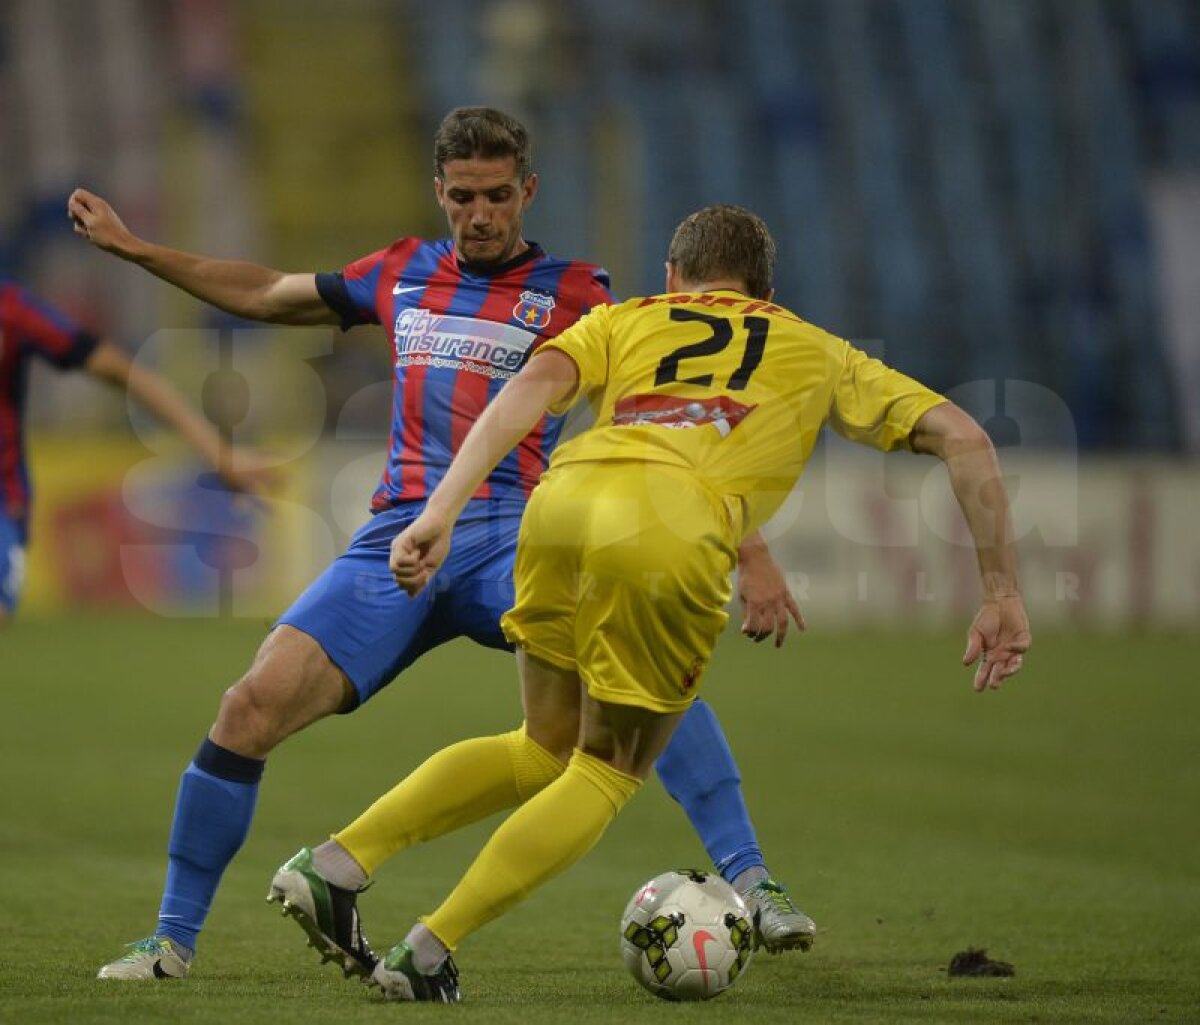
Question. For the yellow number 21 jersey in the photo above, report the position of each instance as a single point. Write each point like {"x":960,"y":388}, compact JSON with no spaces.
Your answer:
{"x":732,"y":388}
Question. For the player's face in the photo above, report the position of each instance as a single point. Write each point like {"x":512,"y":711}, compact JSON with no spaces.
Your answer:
{"x":485,"y":200}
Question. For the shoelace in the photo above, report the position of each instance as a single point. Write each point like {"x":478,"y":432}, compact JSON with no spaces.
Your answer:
{"x":149,"y":945}
{"x":776,"y":896}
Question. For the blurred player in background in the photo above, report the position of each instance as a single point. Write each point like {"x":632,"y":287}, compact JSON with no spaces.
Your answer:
{"x":463,"y":315}
{"x":709,"y":400}
{"x":29,"y":328}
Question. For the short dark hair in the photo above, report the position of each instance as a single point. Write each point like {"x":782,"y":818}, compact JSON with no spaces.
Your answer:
{"x":725,"y":242}
{"x":468,"y":132}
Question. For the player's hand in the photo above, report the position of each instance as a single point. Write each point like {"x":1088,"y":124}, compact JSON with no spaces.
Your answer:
{"x":766,"y":601}
{"x":96,"y":221}
{"x":250,"y":472}
{"x":418,"y":551}
{"x":998,"y":639}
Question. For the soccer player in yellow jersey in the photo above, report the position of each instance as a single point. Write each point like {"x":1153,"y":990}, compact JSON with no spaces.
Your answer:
{"x":708,"y":401}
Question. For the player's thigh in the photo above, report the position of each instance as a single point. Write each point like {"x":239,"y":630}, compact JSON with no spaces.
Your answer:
{"x":366,"y":626}
{"x":627,"y":737}
{"x":653,"y":604}
{"x":550,"y":698}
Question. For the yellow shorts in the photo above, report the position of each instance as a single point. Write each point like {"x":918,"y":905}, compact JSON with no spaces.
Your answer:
{"x":622,"y":575}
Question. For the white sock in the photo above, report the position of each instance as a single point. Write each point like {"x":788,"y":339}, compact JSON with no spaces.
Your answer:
{"x":337,"y":866}
{"x":428,"y":951}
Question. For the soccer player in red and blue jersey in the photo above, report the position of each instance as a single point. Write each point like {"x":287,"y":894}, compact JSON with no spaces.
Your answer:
{"x":31,"y":329}
{"x":463,"y":315}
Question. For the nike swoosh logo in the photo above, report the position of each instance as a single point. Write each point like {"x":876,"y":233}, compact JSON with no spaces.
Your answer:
{"x":699,"y":938}
{"x":410,"y":288}
{"x":159,"y":973}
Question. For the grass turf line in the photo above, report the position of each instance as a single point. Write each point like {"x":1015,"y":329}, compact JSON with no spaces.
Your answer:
{"x":1052,"y":823}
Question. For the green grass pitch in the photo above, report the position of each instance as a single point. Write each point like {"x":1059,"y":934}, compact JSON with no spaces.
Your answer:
{"x":1055,"y":823}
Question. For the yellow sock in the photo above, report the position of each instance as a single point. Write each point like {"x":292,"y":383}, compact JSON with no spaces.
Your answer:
{"x":460,"y":784}
{"x":546,"y":835}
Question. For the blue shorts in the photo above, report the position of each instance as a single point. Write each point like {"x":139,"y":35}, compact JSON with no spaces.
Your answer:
{"x":372,"y":630}
{"x":12,"y":563}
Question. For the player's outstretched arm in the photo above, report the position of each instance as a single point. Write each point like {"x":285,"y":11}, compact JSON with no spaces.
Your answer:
{"x":547,"y":379}
{"x":999,"y":635}
{"x":243,"y":289}
{"x":766,"y":601}
{"x":240,"y":468}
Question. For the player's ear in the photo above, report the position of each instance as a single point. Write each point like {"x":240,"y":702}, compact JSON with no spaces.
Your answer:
{"x":529,"y":189}
{"x":439,"y":190}
{"x":673,"y":282}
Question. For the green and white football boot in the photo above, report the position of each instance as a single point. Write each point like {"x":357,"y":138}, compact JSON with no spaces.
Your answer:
{"x":327,"y":914}
{"x":399,"y":979}
{"x":155,"y":957}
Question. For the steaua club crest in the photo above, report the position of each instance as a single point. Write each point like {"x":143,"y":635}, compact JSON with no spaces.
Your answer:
{"x":533,"y":310}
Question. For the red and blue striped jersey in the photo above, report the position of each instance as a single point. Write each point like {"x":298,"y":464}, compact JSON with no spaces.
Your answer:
{"x":458,"y":333}
{"x":28,"y":328}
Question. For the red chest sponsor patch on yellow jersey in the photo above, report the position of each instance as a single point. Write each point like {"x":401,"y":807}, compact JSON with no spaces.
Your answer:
{"x":721,"y":411}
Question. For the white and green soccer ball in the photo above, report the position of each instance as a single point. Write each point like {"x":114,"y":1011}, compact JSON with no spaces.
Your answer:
{"x":686,"y":935}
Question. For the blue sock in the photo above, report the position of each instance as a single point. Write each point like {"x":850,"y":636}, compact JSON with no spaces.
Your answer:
{"x":213,"y":810}
{"x":698,"y":770}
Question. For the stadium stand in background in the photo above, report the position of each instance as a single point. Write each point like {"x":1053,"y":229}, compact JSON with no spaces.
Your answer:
{"x":985,"y":193}
{"x":970,"y":182}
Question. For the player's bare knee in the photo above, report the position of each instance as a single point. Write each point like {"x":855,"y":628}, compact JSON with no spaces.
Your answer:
{"x":258,"y":711}
{"x":248,"y":719}
{"x":291,"y":684}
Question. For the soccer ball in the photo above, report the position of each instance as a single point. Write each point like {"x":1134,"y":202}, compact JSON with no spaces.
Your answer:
{"x":686,"y":935}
